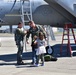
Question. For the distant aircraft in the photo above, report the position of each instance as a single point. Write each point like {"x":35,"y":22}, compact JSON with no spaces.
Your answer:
{"x":45,"y":12}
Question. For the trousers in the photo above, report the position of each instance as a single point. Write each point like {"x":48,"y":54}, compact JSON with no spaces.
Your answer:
{"x":20,"y":52}
{"x":33,"y":55}
{"x":41,"y":56}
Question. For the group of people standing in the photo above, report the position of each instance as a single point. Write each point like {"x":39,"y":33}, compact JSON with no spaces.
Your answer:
{"x":38,"y":36}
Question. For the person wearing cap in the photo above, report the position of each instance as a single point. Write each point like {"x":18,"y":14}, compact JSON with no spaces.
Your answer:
{"x":19,"y":39}
{"x":34,"y":31}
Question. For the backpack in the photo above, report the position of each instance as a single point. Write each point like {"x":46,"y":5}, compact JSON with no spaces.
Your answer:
{"x":50,"y":58}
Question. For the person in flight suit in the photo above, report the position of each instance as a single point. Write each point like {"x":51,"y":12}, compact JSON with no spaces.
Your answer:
{"x":19,"y":39}
{"x":34,"y":31}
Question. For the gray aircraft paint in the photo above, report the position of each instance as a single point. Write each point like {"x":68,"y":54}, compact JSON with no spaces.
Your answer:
{"x":43,"y":13}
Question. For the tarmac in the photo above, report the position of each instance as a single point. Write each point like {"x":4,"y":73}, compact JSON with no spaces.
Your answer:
{"x":65,"y":65}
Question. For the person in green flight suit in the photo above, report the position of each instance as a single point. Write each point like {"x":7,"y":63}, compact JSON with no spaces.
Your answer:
{"x":34,"y":31}
{"x":19,"y":39}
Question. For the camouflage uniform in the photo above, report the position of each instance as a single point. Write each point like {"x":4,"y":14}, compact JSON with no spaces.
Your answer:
{"x":34,"y":32}
{"x":19,"y":37}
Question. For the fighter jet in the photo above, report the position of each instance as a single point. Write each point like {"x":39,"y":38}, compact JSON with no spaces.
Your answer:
{"x":44,"y":12}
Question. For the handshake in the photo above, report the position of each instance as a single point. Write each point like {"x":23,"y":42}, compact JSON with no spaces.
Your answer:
{"x":25,"y":32}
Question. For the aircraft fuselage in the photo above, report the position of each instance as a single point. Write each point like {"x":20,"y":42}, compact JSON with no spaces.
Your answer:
{"x":6,"y":6}
{"x":43,"y":13}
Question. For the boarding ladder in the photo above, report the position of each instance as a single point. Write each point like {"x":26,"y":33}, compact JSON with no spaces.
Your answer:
{"x":68,"y":34}
{"x":26,"y":12}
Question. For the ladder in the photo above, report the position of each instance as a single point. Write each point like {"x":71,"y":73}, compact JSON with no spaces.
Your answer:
{"x":26,"y":12}
{"x":66,"y":32}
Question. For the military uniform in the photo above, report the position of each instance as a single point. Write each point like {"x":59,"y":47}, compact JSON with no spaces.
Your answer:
{"x":19,"y":39}
{"x":34,"y":32}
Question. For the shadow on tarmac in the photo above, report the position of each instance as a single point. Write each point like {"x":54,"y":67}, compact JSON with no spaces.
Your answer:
{"x":28,"y":55}
{"x":65,"y":50}
{"x":13,"y":57}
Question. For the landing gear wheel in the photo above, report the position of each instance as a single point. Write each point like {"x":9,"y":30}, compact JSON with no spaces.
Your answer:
{"x":49,"y":50}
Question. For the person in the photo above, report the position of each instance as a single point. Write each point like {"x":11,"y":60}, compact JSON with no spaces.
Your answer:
{"x":34,"y":46}
{"x":40,"y":50}
{"x":34,"y":31}
{"x":19,"y":39}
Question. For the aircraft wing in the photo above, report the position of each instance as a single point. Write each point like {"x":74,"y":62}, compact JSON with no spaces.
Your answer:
{"x":46,"y":14}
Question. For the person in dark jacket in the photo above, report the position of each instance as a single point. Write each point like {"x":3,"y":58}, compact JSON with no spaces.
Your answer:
{"x":34,"y":31}
{"x":19,"y":39}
